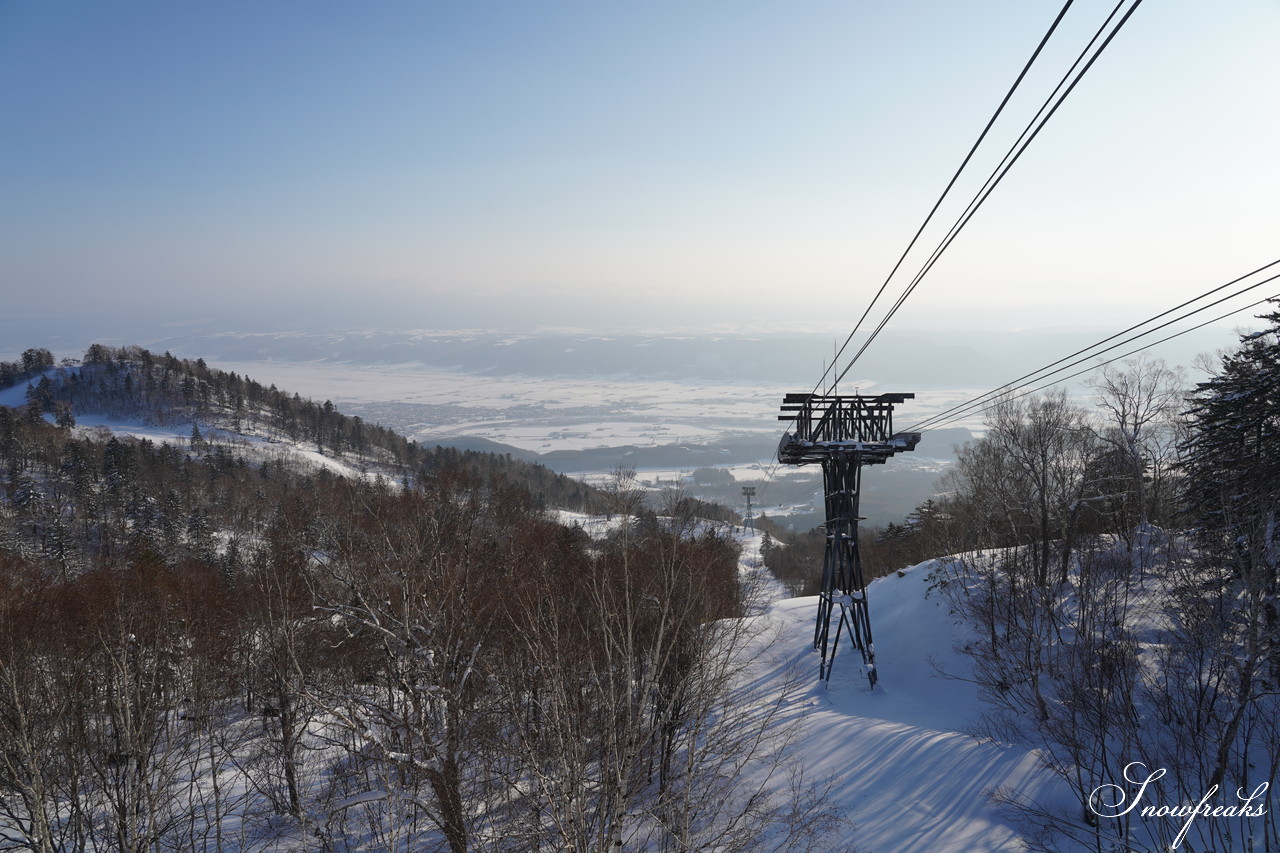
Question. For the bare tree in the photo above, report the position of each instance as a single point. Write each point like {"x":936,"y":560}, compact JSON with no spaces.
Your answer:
{"x":38,"y":752}
{"x":418,"y":581}
{"x":287,"y":645}
{"x":1029,"y":481}
{"x":637,"y":733}
{"x":1141,"y":400}
{"x":623,"y":495}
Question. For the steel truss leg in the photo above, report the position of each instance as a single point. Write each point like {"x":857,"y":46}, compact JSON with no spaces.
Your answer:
{"x":842,"y":581}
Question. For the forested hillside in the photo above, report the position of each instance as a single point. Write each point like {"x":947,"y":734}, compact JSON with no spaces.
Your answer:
{"x":133,"y":385}
{"x":204,"y":649}
{"x":1117,"y":567}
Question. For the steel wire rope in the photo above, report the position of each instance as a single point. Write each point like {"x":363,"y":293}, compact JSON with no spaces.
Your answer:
{"x":989,"y":185}
{"x":1274,"y":297}
{"x":982,"y":401}
{"x":1034,"y":375}
{"x":933,"y":210}
{"x":963,"y":164}
{"x":1006,"y":164}
{"x":1010,"y":395}
{"x":1015,"y":152}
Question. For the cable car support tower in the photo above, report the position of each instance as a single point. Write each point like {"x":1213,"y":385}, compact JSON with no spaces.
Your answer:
{"x":842,"y":433}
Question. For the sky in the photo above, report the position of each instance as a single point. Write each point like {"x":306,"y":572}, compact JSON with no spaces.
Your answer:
{"x":621,"y":165}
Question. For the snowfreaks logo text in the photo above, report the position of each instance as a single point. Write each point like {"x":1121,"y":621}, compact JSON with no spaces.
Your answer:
{"x":1111,"y":801}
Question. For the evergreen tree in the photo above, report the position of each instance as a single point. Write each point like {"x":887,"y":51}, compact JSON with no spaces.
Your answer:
{"x":1231,"y":464}
{"x":1232,"y":459}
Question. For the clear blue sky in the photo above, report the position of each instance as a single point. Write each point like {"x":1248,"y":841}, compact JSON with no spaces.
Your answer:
{"x":430,"y":164}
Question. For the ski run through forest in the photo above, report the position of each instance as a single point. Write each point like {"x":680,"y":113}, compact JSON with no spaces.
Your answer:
{"x":233,"y":619}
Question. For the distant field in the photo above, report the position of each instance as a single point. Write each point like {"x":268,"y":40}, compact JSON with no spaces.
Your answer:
{"x":589,"y":426}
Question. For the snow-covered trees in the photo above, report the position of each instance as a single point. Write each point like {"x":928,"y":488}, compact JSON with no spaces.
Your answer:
{"x":1142,"y":399}
{"x":1231,"y":616}
{"x":32,"y":362}
{"x":1030,"y":483}
{"x":1161,"y":648}
{"x":222,"y":656}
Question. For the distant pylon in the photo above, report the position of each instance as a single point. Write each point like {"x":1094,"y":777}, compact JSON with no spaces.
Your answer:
{"x":749,"y":492}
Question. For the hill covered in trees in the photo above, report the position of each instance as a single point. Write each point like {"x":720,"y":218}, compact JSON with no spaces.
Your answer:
{"x":204,"y":645}
{"x":132,"y":385}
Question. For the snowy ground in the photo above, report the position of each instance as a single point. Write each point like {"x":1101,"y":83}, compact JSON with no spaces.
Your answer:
{"x":908,"y":775}
{"x":252,"y":447}
{"x":665,"y":429}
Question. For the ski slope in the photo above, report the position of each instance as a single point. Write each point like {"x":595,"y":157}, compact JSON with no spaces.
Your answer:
{"x":906,"y":773}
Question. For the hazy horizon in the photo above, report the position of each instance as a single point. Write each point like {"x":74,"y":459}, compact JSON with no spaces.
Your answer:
{"x":509,"y":165}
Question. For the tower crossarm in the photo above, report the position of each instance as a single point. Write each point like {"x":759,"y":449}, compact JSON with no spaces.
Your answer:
{"x":827,"y":423}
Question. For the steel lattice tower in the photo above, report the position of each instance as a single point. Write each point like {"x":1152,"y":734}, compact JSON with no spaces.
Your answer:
{"x":842,"y":433}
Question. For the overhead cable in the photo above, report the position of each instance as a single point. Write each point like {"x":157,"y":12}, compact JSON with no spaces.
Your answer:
{"x":1092,"y":351}
{"x":964,"y":163}
{"x":1274,"y":297}
{"x":1019,"y":147}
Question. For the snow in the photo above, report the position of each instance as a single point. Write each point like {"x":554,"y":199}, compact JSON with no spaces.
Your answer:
{"x":176,"y":433}
{"x":578,"y":436}
{"x":255,"y":448}
{"x":549,"y":413}
{"x":907,"y":772}
{"x":17,"y":395}
{"x":596,"y":526}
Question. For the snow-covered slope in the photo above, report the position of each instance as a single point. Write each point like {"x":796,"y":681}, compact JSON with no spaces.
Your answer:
{"x":255,"y":449}
{"x":909,"y":776}
{"x":252,"y":443}
{"x":906,"y":771}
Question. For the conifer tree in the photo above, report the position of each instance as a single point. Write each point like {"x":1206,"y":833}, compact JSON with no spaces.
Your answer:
{"x":1232,"y":459}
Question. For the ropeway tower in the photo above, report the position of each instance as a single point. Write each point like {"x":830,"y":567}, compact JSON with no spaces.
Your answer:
{"x":842,"y":433}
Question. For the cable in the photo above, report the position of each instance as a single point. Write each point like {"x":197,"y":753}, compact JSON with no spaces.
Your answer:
{"x":1035,"y":374}
{"x":1008,"y":161}
{"x":972,"y":150}
{"x":978,"y":401}
{"x":1272,"y":298}
{"x":1050,"y":106}
{"x":1019,"y":147}
{"x":1002,"y":168}
{"x":982,"y":401}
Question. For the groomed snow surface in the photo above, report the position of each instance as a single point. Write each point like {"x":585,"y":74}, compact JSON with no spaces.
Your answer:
{"x":906,"y":773}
